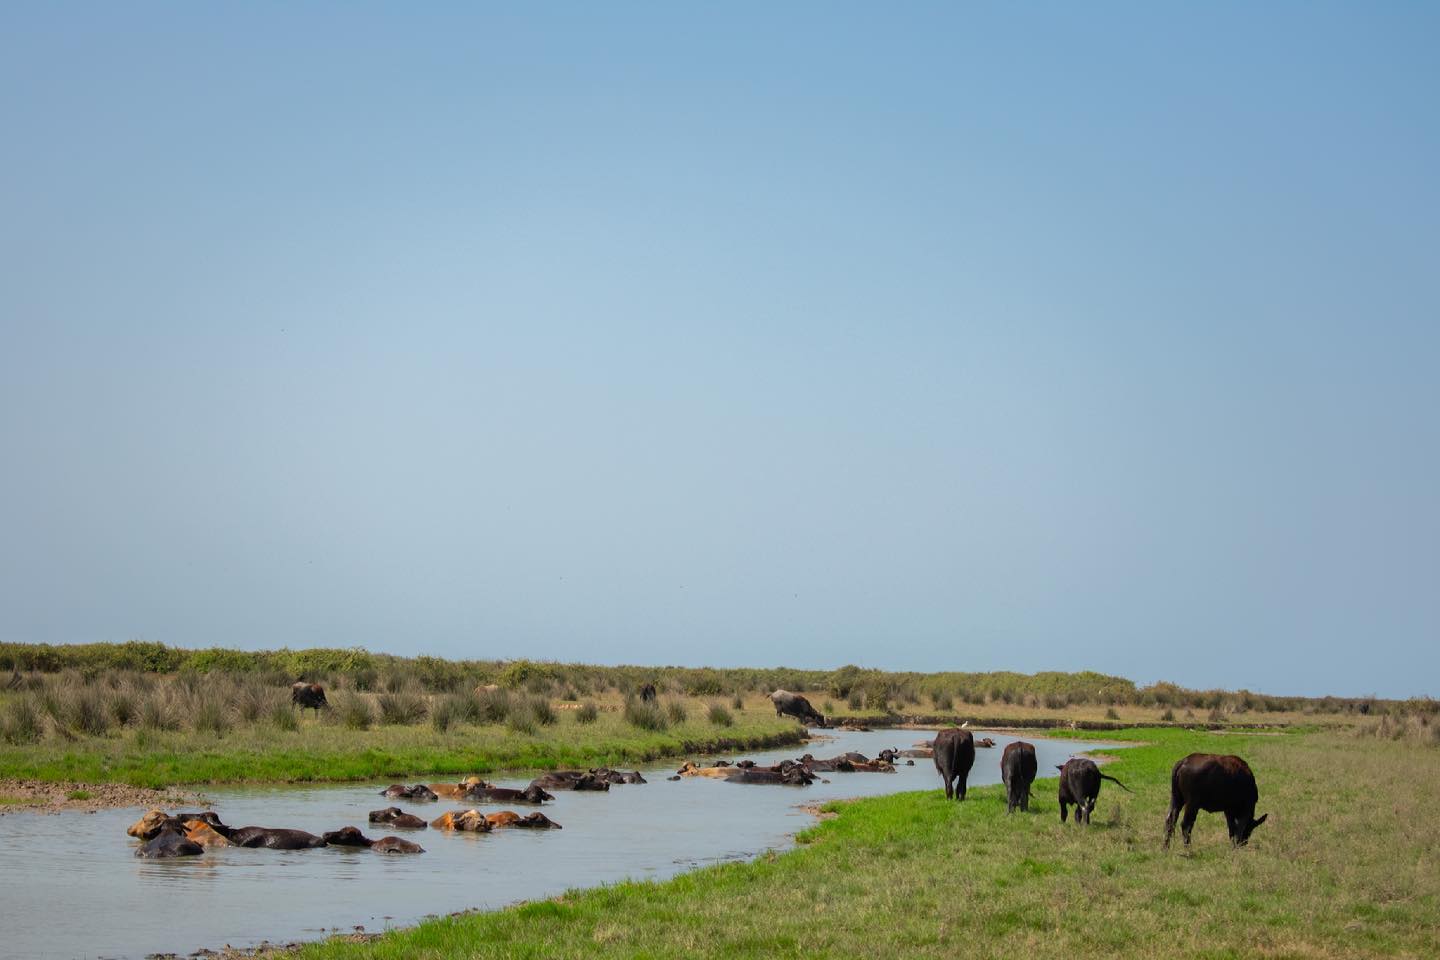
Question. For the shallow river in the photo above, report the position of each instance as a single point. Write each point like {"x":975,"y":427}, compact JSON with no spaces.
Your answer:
{"x":71,"y":887}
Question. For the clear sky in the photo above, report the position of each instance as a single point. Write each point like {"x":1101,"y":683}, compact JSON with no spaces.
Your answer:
{"x":937,"y":336}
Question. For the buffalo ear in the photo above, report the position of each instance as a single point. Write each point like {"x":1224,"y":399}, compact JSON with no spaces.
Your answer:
{"x":1259,"y":820}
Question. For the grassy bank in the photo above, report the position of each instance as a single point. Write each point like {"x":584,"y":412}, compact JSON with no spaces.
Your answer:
{"x":325,"y":749}
{"x":1345,"y":866}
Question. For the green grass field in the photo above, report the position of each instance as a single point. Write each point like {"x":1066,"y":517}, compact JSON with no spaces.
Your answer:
{"x":1347,"y":865}
{"x":318,"y":751}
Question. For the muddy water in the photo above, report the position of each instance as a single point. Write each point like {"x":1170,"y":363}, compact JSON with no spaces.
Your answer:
{"x":70,"y":886}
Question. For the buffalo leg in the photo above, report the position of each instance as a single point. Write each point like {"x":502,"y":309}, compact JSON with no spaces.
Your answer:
{"x":1186,"y":825}
{"x":1064,"y":810}
{"x":1170,"y":823}
{"x":960,"y":788}
{"x":948,"y":790}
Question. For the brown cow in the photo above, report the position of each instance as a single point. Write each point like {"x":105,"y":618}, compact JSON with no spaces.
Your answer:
{"x":1215,"y":784}
{"x":308,"y":695}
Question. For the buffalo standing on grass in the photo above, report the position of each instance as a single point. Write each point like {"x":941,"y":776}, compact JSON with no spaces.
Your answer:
{"x":1215,"y":784}
{"x":954,"y":756}
{"x":794,"y":705}
{"x":1017,"y":769}
{"x":1080,"y":786}
{"x":308,"y":696}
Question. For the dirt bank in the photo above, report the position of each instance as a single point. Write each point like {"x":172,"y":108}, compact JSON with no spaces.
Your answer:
{"x":37,"y":796}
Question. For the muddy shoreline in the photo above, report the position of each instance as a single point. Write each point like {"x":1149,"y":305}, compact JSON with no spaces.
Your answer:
{"x":43,"y":796}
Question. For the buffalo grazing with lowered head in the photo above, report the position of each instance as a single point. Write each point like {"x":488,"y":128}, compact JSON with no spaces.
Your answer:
{"x":1215,"y":784}
{"x":789,"y":704}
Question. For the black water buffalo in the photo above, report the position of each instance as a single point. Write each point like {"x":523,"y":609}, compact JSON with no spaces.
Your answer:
{"x":1017,"y":770}
{"x":156,"y":821}
{"x":396,"y":817}
{"x":308,"y":695}
{"x":273,"y":838}
{"x":647,"y":693}
{"x":1215,"y":784}
{"x":1080,"y":785}
{"x":569,"y":780}
{"x":789,"y":704}
{"x":395,"y":845}
{"x":347,"y":837}
{"x":787,"y":773}
{"x":398,"y":791}
{"x":617,"y":776}
{"x":954,"y":756}
{"x":167,"y":844}
{"x":531,"y":794}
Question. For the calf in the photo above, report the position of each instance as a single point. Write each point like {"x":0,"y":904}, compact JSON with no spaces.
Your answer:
{"x":1215,"y":784}
{"x":1080,"y":785}
{"x":954,"y":756}
{"x":1017,"y":769}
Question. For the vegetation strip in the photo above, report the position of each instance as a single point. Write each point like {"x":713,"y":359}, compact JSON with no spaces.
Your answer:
{"x":1333,"y":873}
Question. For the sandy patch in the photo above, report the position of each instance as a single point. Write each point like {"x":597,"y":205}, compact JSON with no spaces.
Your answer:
{"x":37,"y":796}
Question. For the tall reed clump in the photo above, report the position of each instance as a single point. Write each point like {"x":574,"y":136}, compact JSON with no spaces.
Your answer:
{"x":402,"y":708}
{"x":157,"y":712}
{"x":676,"y":711}
{"x":942,"y":700}
{"x":22,"y":722}
{"x":352,"y":711}
{"x":645,"y":715}
{"x":494,"y":706}
{"x":719,"y":716}
{"x":209,"y":714}
{"x":284,"y":717}
{"x":588,"y":712}
{"x":87,"y":712}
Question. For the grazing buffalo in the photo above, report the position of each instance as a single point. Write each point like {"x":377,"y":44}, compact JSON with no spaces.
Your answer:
{"x":150,"y":825}
{"x":272,"y":838}
{"x":647,"y":693}
{"x":396,"y":817}
{"x":167,"y":844}
{"x":308,"y":695}
{"x":470,"y":821}
{"x":789,"y":704}
{"x":488,"y":794}
{"x":398,"y":791}
{"x":954,"y":756}
{"x":1080,"y":785}
{"x":531,"y":821}
{"x":569,"y":780}
{"x":1017,"y":770}
{"x":1215,"y":784}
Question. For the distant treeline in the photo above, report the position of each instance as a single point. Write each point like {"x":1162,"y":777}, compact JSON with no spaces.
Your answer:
{"x":858,"y":687}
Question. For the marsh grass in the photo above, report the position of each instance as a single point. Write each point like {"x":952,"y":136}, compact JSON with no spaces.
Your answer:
{"x":719,"y":716}
{"x":405,"y":706}
{"x":1332,"y":874}
{"x":646,"y":716}
{"x":676,"y":711}
{"x":588,"y":712}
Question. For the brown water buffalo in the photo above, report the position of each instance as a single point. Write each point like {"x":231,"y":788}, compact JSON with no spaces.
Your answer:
{"x":1215,"y":784}
{"x":395,"y":817}
{"x":690,"y":769}
{"x":167,"y":844}
{"x":1017,"y":770}
{"x":789,"y":704}
{"x":275,"y":838}
{"x":308,"y":696}
{"x":487,"y":794}
{"x":395,"y":845}
{"x":154,"y":821}
{"x":954,"y":756}
{"x":198,"y":831}
{"x":398,"y":791}
{"x":470,"y":821}
{"x":569,"y":780}
{"x":647,"y":693}
{"x":1080,"y":785}
{"x":985,"y":742}
{"x":452,"y":791}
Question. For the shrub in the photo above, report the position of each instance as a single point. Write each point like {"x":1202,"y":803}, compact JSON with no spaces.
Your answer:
{"x":676,"y":711}
{"x":284,"y":717}
{"x":156,"y":713}
{"x":719,"y":716}
{"x":942,"y":701}
{"x":1110,"y":714}
{"x":856,"y":699}
{"x":588,"y":712}
{"x":208,"y":715}
{"x":521,"y":719}
{"x":253,"y":701}
{"x":1168,"y":716}
{"x":646,"y":716}
{"x":85,"y":710}
{"x":22,"y":722}
{"x":541,"y":710}
{"x":737,"y":702}
{"x":353,"y":712}
{"x":123,"y":709}
{"x":402,"y":708}
{"x":444,"y":715}
{"x":494,"y":706}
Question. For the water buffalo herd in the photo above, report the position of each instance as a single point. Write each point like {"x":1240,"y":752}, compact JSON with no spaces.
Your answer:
{"x":1201,"y":781}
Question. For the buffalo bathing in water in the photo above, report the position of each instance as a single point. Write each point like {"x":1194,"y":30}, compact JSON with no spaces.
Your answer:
{"x":1215,"y":784}
{"x":472,"y":821}
{"x":787,"y":773}
{"x":690,"y":769}
{"x":308,"y":696}
{"x":1080,"y":785}
{"x":207,"y":835}
{"x":150,"y":825}
{"x":984,"y":742}
{"x":954,"y":756}
{"x":169,"y":843}
{"x":352,"y":837}
{"x":398,"y":791}
{"x":789,"y":704}
{"x":1017,"y":770}
{"x":455,"y":790}
{"x":531,"y":821}
{"x":275,"y":838}
{"x":569,"y":780}
{"x":487,"y":794}
{"x":396,"y":817}
{"x":617,"y":776}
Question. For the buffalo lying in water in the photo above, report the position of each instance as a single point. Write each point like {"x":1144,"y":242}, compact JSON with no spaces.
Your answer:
{"x":398,"y":791}
{"x":1080,"y":785}
{"x":455,"y":790}
{"x":1017,"y":770}
{"x":570,"y":780}
{"x":154,"y":821}
{"x":847,"y":763}
{"x":488,"y":794}
{"x":787,"y":773}
{"x":617,"y":776}
{"x":207,"y":834}
{"x":352,"y":837}
{"x":473,"y":821}
{"x":275,"y":838}
{"x":1215,"y":784}
{"x":396,"y":817}
{"x":169,"y":843}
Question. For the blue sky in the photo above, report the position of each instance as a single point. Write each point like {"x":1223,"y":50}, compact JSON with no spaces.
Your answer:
{"x":949,"y":337}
